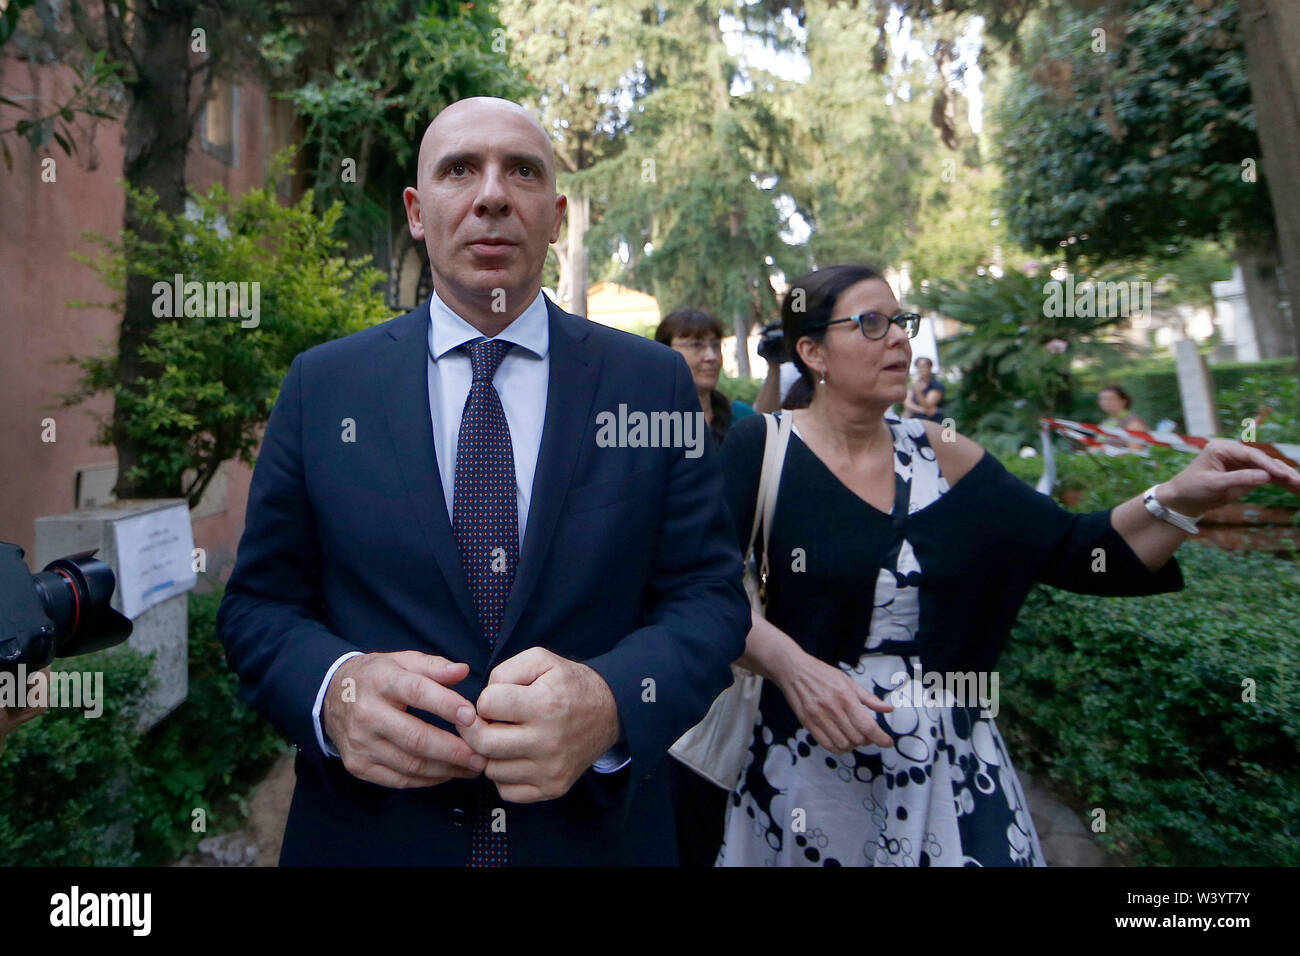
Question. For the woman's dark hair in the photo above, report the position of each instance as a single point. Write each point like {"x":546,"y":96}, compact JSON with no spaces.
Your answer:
{"x":1123,"y":395}
{"x":689,"y":323}
{"x":812,"y":299}
{"x":698,"y":323}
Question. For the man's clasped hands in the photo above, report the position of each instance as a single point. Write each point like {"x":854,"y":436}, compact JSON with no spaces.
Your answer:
{"x":541,"y":721}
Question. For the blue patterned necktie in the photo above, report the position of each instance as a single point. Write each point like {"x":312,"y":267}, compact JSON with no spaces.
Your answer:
{"x":485,"y":521}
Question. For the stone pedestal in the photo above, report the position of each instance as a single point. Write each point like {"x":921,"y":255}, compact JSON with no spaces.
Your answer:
{"x":162,"y":629}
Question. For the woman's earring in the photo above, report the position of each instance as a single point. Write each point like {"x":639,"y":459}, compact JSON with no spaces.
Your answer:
{"x":823,"y":381}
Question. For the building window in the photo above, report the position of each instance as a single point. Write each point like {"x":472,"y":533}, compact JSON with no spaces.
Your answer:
{"x":220,"y":125}
{"x":282,"y":131}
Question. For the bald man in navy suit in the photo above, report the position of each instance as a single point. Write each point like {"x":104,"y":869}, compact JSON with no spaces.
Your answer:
{"x":484,"y":614}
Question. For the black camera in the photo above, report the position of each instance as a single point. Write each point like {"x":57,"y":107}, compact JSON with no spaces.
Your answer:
{"x":61,"y":612}
{"x":771,"y":344}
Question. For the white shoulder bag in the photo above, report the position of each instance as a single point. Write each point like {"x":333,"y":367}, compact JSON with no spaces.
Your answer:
{"x":715,"y":747}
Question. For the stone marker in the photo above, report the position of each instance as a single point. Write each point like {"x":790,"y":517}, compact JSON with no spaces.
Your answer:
{"x":1196,"y":388}
{"x":162,"y":629}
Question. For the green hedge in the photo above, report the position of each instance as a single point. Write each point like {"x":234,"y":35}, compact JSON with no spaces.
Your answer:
{"x":1153,"y":386}
{"x":83,"y":792}
{"x":1134,"y":705}
{"x":67,"y":783}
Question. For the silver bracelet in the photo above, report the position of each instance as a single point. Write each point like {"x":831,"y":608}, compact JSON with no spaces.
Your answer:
{"x":1154,"y":506}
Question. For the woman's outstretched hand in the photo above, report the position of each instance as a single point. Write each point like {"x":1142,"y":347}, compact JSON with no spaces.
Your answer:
{"x":1222,"y":473}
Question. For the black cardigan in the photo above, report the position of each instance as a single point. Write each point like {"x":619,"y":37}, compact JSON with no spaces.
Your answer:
{"x":982,"y":545}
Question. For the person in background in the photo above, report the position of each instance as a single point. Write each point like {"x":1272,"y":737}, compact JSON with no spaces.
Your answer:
{"x":925,"y":394}
{"x":697,"y":334}
{"x":699,"y":806}
{"x":1118,"y":407}
{"x":781,"y":373}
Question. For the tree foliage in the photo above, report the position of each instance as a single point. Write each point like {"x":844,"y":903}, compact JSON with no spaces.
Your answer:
{"x":1014,"y":359}
{"x":218,"y":379}
{"x":367,"y":79}
{"x":1136,"y":148}
{"x":691,"y":200}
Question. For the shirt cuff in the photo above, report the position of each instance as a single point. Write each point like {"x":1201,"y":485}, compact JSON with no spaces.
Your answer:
{"x":325,"y":745}
{"x":615,"y":758}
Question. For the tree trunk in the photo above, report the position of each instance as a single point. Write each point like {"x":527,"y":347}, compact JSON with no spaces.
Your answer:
{"x":1272,"y":36}
{"x":157,"y":139}
{"x":739,"y":325}
{"x":579,"y":211}
{"x":1259,"y":274}
{"x":561,"y":284}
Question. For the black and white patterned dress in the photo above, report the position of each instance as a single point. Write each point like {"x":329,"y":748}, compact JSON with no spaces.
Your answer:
{"x":946,"y":794}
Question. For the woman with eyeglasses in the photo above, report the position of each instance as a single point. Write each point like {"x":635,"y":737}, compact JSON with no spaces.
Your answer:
{"x":697,"y":334}
{"x":698,"y":804}
{"x":900,"y":555}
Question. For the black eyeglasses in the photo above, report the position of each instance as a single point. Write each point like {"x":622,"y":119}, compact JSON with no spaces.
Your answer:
{"x":875,"y":325}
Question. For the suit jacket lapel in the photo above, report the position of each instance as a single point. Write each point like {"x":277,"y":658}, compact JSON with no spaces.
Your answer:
{"x":571,"y":388}
{"x":404,"y":382}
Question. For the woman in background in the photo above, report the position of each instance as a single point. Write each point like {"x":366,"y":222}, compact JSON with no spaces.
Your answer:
{"x":698,"y":804}
{"x":1118,"y":408}
{"x":697,"y":334}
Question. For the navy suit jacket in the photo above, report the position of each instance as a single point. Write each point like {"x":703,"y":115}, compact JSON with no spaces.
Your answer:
{"x":629,"y":564}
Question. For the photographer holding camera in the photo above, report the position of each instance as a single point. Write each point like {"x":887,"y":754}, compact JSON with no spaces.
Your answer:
{"x":62,"y":611}
{"x":771,"y":348}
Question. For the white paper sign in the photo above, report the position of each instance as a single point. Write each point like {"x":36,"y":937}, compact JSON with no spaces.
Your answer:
{"x":154,"y":553}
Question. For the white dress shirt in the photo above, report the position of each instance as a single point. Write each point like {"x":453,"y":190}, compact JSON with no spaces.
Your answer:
{"x":522,"y":382}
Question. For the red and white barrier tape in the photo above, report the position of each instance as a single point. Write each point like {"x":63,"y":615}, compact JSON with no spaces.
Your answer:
{"x":1085,"y":432}
{"x":1091,"y":435}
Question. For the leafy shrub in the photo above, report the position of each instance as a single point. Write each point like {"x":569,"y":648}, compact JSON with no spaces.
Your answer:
{"x":1014,"y":359}
{"x":212,"y":747}
{"x":80,"y":792}
{"x":1240,"y":390}
{"x":68,"y":783}
{"x":1136,"y":706}
{"x":208,"y":384}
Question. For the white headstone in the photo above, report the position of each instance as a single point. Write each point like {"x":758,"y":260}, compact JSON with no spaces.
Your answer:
{"x":1196,"y":388}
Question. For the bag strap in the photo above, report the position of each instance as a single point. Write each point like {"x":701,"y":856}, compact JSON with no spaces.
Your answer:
{"x":774,"y":448}
{"x":768,"y":444}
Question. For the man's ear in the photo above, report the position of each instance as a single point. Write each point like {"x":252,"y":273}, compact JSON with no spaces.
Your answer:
{"x":561,"y":204}
{"x":411,"y":198}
